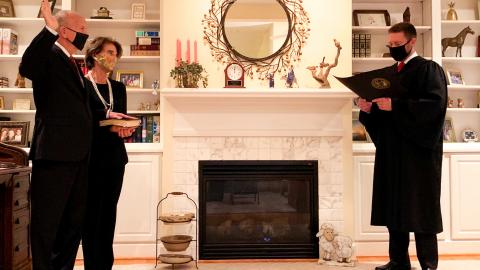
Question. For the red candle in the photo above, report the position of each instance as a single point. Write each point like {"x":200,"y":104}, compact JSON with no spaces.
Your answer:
{"x":188,"y":51}
{"x":179,"y":52}
{"x":195,"y":55}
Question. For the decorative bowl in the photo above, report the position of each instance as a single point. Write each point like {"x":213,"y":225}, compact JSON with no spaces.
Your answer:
{"x":177,"y":218}
{"x":176,"y":242}
{"x":175,"y":258}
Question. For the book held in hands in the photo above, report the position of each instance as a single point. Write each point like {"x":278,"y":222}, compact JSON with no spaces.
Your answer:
{"x":127,"y":123}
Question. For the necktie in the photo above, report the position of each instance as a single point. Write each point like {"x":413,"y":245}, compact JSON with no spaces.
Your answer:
{"x":77,"y":71}
{"x":400,"y":66}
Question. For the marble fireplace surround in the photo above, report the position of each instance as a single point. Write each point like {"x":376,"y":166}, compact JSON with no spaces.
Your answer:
{"x":247,"y":124}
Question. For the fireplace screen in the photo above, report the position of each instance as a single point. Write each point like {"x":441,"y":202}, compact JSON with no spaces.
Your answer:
{"x":258,"y":209}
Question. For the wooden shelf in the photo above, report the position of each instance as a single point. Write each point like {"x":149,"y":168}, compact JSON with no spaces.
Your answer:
{"x":464,"y":87}
{"x":17,"y":111}
{"x":469,"y":110}
{"x":143,"y":112}
{"x":123,"y":23}
{"x":9,"y":57}
{"x":457,"y":147}
{"x":384,"y":29}
{"x":21,"y":21}
{"x":14,"y":90}
{"x":462,"y":60}
{"x":460,"y":22}
{"x":141,"y":90}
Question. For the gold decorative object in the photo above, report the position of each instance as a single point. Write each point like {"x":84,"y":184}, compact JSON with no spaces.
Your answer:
{"x":20,"y":81}
{"x":318,"y":72}
{"x":452,"y":14}
{"x":460,"y":103}
{"x":456,"y":41}
{"x":222,"y":51}
{"x":102,"y":13}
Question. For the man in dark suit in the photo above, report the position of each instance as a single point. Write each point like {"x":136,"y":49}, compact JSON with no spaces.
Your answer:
{"x":61,"y":139}
{"x":407,"y":133}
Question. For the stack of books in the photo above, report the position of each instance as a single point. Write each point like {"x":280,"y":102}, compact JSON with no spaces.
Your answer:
{"x":3,"y":82}
{"x":148,"y":44}
{"x":361,"y":45}
{"x":8,"y":41}
{"x":148,"y":131}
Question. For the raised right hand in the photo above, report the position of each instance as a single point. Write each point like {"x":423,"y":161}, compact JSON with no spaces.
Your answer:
{"x":50,"y":20}
{"x":364,"y":105}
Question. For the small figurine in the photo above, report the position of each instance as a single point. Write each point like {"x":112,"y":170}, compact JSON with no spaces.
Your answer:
{"x":460,"y":103}
{"x":335,"y":250}
{"x":290,"y":78}
{"x":321,"y":76}
{"x":20,"y":81}
{"x":271,"y":80}
{"x":102,"y":13}
{"x":452,"y":14}
{"x":450,"y":102}
{"x":456,"y":41}
{"x":155,"y":87}
{"x":406,"y":15}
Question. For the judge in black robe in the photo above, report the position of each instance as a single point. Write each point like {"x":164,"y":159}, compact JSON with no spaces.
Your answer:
{"x":408,"y":159}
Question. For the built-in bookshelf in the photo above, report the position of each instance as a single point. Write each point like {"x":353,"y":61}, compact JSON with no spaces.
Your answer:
{"x":121,"y":27}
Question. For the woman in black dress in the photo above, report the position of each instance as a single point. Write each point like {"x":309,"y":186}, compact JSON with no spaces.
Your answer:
{"x":108,"y":99}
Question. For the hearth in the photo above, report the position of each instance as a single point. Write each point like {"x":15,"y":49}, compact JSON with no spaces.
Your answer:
{"x":258,"y":209}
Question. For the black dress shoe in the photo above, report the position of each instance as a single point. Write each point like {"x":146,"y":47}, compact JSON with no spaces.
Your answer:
{"x":394,"y":266}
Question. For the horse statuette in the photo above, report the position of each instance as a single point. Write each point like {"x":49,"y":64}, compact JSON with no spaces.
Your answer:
{"x":456,"y":41}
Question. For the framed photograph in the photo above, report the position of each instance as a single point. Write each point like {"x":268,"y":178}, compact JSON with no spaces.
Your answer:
{"x":14,"y":132}
{"x":21,"y":104}
{"x":52,"y":8}
{"x":138,"y":11}
{"x":448,"y":131}
{"x":6,"y":8}
{"x":131,"y":79}
{"x":371,"y":18}
{"x":359,"y":134}
{"x":2,"y":103}
{"x":455,"y":77}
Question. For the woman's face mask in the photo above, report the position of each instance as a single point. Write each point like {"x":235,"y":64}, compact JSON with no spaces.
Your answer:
{"x":107,"y":62}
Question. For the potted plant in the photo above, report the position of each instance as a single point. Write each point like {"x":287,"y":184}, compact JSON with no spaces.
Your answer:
{"x":187,"y":75}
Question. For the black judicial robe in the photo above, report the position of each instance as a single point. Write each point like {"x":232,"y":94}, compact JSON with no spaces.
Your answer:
{"x":409,"y":150}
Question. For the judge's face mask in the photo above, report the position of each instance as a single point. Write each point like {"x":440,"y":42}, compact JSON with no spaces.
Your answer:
{"x":107,"y":62}
{"x":79,"y":40}
{"x":399,"y":53}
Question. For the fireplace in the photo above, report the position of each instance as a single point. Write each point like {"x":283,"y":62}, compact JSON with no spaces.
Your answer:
{"x":258,"y":209}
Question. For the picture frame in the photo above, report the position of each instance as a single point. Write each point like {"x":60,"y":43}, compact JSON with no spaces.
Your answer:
{"x":138,"y":11}
{"x":6,"y":8}
{"x":21,"y":104}
{"x":52,"y":8}
{"x":359,"y":133}
{"x":2,"y":103}
{"x":455,"y":77}
{"x":131,"y":79}
{"x":14,"y":132}
{"x":371,"y":17}
{"x":448,"y":131}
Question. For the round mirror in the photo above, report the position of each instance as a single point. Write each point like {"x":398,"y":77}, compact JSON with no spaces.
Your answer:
{"x":256,"y":29}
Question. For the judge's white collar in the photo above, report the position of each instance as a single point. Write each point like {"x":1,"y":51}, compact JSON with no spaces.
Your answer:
{"x":63,"y":49}
{"x":410,"y":57}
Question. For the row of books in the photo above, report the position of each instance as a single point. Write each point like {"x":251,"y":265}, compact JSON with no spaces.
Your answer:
{"x":148,"y":44}
{"x":361,"y":45}
{"x":8,"y":41}
{"x":148,"y":131}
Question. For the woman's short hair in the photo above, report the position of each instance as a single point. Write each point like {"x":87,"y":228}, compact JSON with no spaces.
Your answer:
{"x":96,"y":46}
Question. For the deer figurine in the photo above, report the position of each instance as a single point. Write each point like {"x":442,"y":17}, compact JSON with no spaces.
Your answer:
{"x":456,"y":41}
{"x":318,"y":72}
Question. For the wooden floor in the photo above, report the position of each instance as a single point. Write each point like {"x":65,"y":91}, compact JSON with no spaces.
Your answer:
{"x":360,"y":259}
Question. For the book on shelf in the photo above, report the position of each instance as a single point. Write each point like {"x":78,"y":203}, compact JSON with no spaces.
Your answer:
{"x":145,"y":47}
{"x":9,"y":40}
{"x":148,"y":131}
{"x":144,"y":53}
{"x":361,"y":45}
{"x":153,"y":34}
{"x":128,"y":123}
{"x":148,"y":41}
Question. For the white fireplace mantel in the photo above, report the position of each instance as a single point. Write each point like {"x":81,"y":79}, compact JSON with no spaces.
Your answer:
{"x":256,"y":112}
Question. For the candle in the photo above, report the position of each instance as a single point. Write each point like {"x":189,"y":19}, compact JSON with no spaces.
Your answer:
{"x":188,"y":51}
{"x":195,"y":55}
{"x":179,"y":52}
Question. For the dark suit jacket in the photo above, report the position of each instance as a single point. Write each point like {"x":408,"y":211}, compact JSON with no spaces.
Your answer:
{"x":108,"y":149}
{"x":63,"y":122}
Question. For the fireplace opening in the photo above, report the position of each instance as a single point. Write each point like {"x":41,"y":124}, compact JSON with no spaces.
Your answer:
{"x":258,"y":209}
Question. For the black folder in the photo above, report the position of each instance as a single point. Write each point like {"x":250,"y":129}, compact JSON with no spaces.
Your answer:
{"x":384,"y":82}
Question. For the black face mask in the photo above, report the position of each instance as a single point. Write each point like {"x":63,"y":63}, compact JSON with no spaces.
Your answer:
{"x":399,"y":53}
{"x":79,"y":40}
